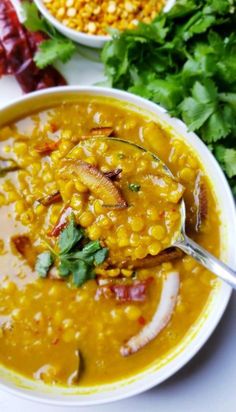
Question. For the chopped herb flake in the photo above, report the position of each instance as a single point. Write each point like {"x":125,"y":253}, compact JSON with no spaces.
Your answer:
{"x":135,"y":187}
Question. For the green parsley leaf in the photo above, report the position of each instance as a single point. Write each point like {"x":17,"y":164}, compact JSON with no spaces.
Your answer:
{"x":52,"y":50}
{"x":69,"y":237}
{"x":43,"y":263}
{"x":134,"y":187}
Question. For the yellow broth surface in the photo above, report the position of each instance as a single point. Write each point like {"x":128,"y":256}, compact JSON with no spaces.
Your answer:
{"x":45,"y":322}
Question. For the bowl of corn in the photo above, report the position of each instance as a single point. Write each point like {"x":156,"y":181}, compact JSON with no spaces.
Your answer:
{"x":88,"y":22}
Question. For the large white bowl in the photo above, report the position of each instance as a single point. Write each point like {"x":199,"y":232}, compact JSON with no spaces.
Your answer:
{"x":91,"y":40}
{"x":203,"y":328}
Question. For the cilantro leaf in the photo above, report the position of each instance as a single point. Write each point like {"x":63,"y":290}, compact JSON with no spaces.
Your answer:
{"x":227,"y":158}
{"x":43,"y":263}
{"x":54,"y":49}
{"x":194,"y":113}
{"x":64,"y":267}
{"x":72,"y":259}
{"x":57,"y":47}
{"x":215,"y":128}
{"x":184,"y":60}
{"x":81,"y":272}
{"x":100,"y":256}
{"x":91,"y":248}
{"x":32,"y":20}
{"x":69,"y":237}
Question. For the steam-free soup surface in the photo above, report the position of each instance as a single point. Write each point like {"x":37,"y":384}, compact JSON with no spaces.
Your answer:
{"x":51,"y":329}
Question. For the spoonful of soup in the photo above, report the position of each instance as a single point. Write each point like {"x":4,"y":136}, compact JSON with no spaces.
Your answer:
{"x":122,"y":192}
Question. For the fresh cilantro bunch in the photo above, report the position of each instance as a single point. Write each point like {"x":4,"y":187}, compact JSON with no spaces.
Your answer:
{"x":73,"y":259}
{"x":185,"y":60}
{"x":56,"y":47}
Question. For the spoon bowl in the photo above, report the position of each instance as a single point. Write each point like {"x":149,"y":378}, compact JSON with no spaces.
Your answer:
{"x":181,"y":240}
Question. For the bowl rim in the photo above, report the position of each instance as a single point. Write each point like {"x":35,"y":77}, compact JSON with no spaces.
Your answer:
{"x":205,"y":331}
{"x":81,"y":36}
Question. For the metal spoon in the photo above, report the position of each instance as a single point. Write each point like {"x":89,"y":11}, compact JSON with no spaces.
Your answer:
{"x":183,"y":242}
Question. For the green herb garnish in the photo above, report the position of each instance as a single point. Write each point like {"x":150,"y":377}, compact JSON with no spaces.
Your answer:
{"x":185,"y":60}
{"x":57,"y":47}
{"x":43,"y":263}
{"x":73,"y":258}
{"x":135,"y":187}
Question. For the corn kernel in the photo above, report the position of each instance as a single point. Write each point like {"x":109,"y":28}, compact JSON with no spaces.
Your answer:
{"x":80,"y":187}
{"x":86,"y":219}
{"x":76,"y":202}
{"x":105,"y":222}
{"x":158,"y":232}
{"x":68,"y":190}
{"x":167,"y":266}
{"x":20,"y":206}
{"x":132,"y":312}
{"x":140,"y":252}
{"x":127,"y":273}
{"x":113,"y":272}
{"x":94,"y":232}
{"x":134,"y":239}
{"x":40,"y":209}
{"x":98,"y":207}
{"x":136,"y":223}
{"x":153,"y":213}
{"x":154,"y":248}
{"x":187,"y":174}
{"x":20,"y":148}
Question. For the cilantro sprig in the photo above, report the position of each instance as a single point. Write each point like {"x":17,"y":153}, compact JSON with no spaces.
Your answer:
{"x":57,"y":47}
{"x":185,"y":60}
{"x":76,"y":256}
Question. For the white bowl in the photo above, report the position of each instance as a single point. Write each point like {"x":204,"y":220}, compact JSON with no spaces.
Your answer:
{"x":216,"y":305}
{"x":91,"y":40}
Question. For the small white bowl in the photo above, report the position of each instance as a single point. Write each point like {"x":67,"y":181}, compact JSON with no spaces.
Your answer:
{"x":203,"y":328}
{"x":91,"y":40}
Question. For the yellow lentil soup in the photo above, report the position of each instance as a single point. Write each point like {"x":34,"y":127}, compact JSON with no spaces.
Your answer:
{"x":94,"y":17}
{"x":86,"y":220}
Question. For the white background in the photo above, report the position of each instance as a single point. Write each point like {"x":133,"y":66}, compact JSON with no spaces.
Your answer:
{"x":208,"y":382}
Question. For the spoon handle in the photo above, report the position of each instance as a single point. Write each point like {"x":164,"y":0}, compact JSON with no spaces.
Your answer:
{"x":219,"y":268}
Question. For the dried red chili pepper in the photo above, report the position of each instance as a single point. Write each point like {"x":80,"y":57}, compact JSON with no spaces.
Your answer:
{"x":17,"y":49}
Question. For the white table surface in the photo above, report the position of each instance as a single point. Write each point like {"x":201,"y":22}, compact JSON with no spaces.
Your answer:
{"x":207,"y":383}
